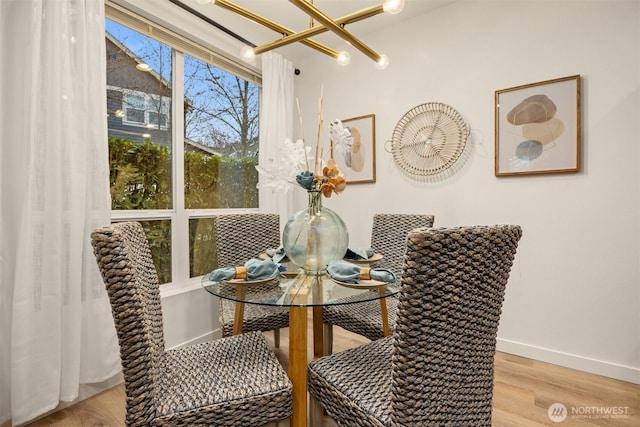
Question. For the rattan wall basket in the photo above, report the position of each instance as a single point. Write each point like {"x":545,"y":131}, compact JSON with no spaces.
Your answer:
{"x":428,"y":140}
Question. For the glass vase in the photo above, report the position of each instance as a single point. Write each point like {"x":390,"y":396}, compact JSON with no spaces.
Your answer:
{"x":314,"y":236}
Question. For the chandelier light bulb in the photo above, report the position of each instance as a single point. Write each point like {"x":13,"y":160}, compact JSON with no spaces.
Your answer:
{"x":393,"y":6}
{"x":383,"y":62}
{"x":343,"y":58}
{"x":247,"y":54}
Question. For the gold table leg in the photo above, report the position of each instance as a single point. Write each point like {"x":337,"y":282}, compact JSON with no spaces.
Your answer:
{"x":383,"y":311}
{"x":318,"y":329}
{"x":298,"y":358}
{"x":318,"y":333}
{"x":238,"y":313}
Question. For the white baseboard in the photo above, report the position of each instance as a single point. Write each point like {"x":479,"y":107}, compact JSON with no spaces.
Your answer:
{"x":209,"y":336}
{"x":581,"y":363}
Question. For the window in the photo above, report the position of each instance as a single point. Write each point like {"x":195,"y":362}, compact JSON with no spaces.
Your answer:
{"x":183,"y":142}
{"x":144,"y":109}
{"x":133,"y":105}
{"x":157,"y":111}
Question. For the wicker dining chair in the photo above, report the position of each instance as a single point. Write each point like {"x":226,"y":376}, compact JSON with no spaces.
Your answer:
{"x":240,"y":237}
{"x":388,"y":237}
{"x":228,"y":382}
{"x":437,"y":367}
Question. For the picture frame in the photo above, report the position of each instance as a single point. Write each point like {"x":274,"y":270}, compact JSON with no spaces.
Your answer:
{"x":358,"y":163}
{"x":537,"y":128}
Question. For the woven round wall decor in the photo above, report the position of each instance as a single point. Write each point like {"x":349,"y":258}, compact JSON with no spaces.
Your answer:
{"x":428,"y":139}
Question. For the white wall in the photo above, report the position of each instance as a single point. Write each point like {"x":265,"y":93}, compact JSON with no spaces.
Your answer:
{"x":574,"y":294}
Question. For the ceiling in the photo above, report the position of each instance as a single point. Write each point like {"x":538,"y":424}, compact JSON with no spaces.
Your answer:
{"x":288,"y":15}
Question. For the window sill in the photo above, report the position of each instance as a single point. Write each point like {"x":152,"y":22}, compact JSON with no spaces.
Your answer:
{"x":172,"y":289}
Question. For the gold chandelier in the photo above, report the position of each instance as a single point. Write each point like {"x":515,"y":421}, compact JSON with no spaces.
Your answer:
{"x":325,"y":23}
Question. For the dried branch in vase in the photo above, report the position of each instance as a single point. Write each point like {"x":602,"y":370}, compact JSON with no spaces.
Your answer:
{"x":293,"y":165}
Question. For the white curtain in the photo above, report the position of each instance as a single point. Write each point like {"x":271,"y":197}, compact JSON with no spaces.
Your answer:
{"x":55,"y":320}
{"x":276,"y":124}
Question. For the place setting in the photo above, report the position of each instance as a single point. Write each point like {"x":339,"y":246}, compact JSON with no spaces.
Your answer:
{"x":348,"y":274}
{"x":362,"y":256}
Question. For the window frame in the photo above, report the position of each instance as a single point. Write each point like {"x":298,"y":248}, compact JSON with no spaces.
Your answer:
{"x":181,"y":44}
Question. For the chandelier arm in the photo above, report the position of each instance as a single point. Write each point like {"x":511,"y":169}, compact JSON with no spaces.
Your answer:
{"x":337,"y":29}
{"x":319,"y":29}
{"x":239,"y":10}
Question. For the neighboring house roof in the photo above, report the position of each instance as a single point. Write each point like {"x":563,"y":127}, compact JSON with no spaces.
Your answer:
{"x":190,"y":145}
{"x":136,"y":59}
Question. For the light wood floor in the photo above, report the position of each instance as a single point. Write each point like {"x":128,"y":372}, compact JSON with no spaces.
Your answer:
{"x":524,"y":390}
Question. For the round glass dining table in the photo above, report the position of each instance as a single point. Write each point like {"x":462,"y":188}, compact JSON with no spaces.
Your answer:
{"x":298,"y":291}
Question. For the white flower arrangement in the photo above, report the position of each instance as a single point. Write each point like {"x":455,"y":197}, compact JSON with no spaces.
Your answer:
{"x":293,"y":166}
{"x":280,"y":174}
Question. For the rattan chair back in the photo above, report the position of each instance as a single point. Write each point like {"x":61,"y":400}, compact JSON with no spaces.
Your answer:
{"x":389,"y":237}
{"x":437,"y":367}
{"x":453,"y":287}
{"x":240,"y":237}
{"x":130,"y":277}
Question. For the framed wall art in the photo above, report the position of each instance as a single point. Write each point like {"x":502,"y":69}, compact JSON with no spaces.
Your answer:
{"x":537,"y":128}
{"x":358,"y":161}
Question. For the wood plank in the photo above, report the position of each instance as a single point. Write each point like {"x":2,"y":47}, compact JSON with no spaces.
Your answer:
{"x":298,"y":356}
{"x":298,"y":371}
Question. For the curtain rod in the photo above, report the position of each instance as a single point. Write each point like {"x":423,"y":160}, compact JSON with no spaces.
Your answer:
{"x":212,"y":22}
{"x":218,"y":26}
